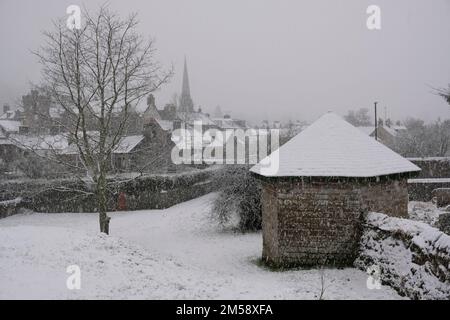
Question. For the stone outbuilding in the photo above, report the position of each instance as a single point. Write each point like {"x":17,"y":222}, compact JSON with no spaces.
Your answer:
{"x":328,"y":176}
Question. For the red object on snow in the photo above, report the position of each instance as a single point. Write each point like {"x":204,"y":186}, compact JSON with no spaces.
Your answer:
{"x":122,"y":202}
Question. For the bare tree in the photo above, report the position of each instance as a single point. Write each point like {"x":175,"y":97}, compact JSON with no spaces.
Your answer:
{"x":424,"y":140}
{"x":358,"y":118}
{"x":444,"y":93}
{"x":97,"y":75}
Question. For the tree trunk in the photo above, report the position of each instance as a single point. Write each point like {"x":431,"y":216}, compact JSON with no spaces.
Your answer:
{"x":102,"y":205}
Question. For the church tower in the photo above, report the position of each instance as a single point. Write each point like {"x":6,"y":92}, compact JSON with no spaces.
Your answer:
{"x":186,"y":104}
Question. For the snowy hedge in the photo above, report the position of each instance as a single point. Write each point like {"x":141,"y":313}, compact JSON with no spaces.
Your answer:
{"x":239,"y":196}
{"x":153,"y":191}
{"x":414,"y":257}
{"x":10,"y":207}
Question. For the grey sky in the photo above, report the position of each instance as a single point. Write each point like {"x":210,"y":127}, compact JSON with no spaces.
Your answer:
{"x":274,"y":59}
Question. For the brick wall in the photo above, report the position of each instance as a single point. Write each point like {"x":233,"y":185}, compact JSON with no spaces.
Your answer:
{"x":316,"y":222}
{"x":387,"y":196}
{"x":270,"y":221}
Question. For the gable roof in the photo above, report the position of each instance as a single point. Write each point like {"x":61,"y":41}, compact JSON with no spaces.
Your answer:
{"x":128,"y":143}
{"x":367,"y":130}
{"x":331,"y":147}
{"x":10,"y":125}
{"x":56,"y":143}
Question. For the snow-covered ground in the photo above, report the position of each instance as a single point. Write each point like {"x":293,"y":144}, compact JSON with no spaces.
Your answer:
{"x":176,"y":253}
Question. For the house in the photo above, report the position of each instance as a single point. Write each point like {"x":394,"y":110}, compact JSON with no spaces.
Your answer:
{"x":25,"y":154}
{"x":385,"y":134}
{"x":229,"y":123}
{"x":145,"y":152}
{"x":8,"y":127}
{"x":328,"y":176}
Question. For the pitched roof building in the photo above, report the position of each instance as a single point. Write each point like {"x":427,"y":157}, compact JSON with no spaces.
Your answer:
{"x":332,"y":147}
{"x":328,"y":176}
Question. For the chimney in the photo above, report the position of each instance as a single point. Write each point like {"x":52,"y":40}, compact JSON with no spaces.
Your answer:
{"x":6,"y":108}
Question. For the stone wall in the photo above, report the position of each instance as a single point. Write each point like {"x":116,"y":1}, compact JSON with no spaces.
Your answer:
{"x":422,"y":189}
{"x":413,"y":257}
{"x":386,"y":195}
{"x":270,"y":222}
{"x":442,"y":196}
{"x":147,"y":192}
{"x":437,"y":167}
{"x":313,"y":222}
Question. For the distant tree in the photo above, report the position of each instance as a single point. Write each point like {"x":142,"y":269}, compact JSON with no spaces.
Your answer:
{"x":240,"y":196}
{"x":444,"y":93}
{"x":358,"y":118}
{"x":388,"y":122}
{"x":422,"y":140}
{"x":97,"y":74}
{"x":440,"y":137}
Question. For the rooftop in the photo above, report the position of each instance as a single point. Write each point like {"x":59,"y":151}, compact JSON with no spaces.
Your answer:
{"x":331,"y":147}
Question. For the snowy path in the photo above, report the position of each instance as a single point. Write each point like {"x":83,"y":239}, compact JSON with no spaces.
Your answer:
{"x":175,"y":253}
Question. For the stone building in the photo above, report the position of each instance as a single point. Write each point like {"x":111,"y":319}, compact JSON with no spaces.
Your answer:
{"x":328,"y":176}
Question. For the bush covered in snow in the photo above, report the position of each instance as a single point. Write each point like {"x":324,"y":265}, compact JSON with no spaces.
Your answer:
{"x":414,"y":257}
{"x":424,"y":211}
{"x":239,"y":194}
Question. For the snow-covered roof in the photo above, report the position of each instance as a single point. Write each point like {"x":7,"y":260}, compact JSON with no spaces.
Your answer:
{"x":125,"y":145}
{"x":10,"y":125}
{"x":390,"y":130}
{"x":399,"y":128}
{"x":226,"y":123}
{"x":367,"y":130}
{"x":331,"y":147}
{"x":191,"y":117}
{"x":47,"y":142}
{"x":128,"y":143}
{"x":166,"y":125}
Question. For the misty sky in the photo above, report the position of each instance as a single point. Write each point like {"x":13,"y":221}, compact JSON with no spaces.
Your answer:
{"x":274,"y":59}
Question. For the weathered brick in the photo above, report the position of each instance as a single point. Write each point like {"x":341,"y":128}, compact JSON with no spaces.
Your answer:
{"x":316,"y":222}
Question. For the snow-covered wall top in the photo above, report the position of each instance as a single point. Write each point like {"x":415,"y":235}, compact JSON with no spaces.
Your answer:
{"x":413,"y":257}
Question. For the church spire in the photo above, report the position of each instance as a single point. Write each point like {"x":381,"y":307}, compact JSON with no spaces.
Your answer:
{"x":186,"y":104}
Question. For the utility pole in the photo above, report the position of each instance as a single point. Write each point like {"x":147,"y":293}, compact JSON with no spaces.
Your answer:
{"x":376,"y":122}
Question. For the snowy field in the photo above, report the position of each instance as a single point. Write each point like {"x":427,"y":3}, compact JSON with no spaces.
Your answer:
{"x":176,"y":253}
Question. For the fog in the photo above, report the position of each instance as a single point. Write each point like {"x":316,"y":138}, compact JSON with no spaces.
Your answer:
{"x":274,"y":60}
